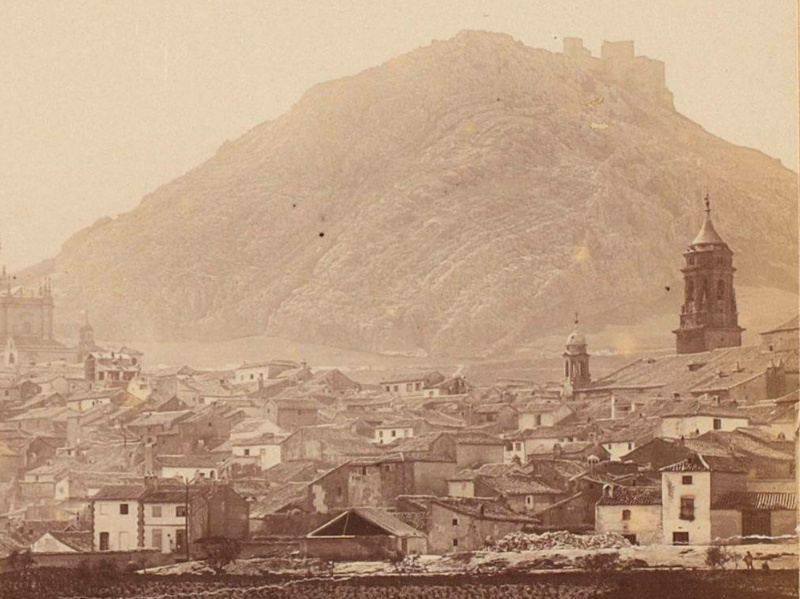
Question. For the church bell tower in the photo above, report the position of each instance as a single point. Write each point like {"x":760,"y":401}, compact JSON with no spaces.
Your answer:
{"x":709,"y":318}
{"x":576,"y":362}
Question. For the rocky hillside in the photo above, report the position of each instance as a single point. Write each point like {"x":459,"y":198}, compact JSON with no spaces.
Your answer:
{"x":460,"y":199}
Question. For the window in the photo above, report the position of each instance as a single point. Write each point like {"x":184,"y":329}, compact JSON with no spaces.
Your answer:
{"x":380,"y":433}
{"x":123,"y":508}
{"x":717,"y":424}
{"x":529,"y":500}
{"x":538,"y":420}
{"x":396,"y":388}
{"x":686,"y":480}
{"x":626,"y":514}
{"x":394,"y":433}
{"x":157,"y":537}
{"x":363,"y":470}
{"x":419,"y":386}
{"x":252,"y":376}
{"x":180,"y":511}
{"x":455,"y":542}
{"x":104,"y":536}
{"x":518,"y":446}
{"x":387,"y":468}
{"x":687,"y":508}
{"x":103,"y":509}
{"x":409,"y":386}
{"x":455,"y":521}
{"x":156,"y":511}
{"x":680,"y":538}
{"x":630,"y":445}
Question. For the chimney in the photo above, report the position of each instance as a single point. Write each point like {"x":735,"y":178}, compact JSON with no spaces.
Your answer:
{"x":682,"y":442}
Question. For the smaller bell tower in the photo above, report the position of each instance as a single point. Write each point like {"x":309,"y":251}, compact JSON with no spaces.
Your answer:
{"x":576,"y":362}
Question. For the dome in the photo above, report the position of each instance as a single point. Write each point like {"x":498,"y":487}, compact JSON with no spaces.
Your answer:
{"x":576,"y":338}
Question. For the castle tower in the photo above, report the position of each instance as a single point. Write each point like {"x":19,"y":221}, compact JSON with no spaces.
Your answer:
{"x":576,"y":362}
{"x":709,"y":318}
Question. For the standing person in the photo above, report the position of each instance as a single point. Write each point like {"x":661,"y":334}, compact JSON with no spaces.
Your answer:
{"x":748,"y":560}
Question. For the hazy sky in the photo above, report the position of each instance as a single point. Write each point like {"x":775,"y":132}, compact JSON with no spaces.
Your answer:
{"x":102,"y":101}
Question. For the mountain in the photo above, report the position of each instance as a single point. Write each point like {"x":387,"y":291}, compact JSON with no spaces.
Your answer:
{"x":461,"y":199}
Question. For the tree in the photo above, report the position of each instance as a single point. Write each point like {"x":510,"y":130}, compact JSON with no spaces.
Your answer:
{"x":220,"y":552}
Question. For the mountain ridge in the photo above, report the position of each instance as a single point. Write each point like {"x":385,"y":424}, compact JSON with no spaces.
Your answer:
{"x":458,"y":199}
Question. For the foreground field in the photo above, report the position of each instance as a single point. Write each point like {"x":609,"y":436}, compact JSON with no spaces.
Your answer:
{"x":650,"y":584}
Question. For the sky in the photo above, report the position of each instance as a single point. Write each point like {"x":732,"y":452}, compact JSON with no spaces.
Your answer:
{"x":103,"y":101}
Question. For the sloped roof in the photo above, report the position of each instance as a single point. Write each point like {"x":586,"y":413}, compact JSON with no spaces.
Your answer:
{"x":750,"y":500}
{"x":79,"y":540}
{"x":190,"y":461}
{"x":481,"y":508}
{"x":520,"y":485}
{"x":792,"y":324}
{"x":113,"y":492}
{"x":632,"y":496}
{"x":707,"y":463}
{"x":378,"y":517}
{"x":278,"y":499}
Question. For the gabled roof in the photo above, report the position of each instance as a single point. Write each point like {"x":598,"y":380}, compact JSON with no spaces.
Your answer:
{"x":792,"y":324}
{"x":380,"y":518}
{"x":79,"y":540}
{"x":519,"y":485}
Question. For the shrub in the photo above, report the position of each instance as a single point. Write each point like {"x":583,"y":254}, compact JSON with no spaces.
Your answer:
{"x":220,"y":552}
{"x":718,"y":555}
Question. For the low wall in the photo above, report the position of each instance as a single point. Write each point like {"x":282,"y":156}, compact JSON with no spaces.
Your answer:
{"x":148,"y":557}
{"x":288,"y":525}
{"x":278,"y":547}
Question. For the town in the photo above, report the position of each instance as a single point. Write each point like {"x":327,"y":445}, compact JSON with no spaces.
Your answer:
{"x":103,"y":455}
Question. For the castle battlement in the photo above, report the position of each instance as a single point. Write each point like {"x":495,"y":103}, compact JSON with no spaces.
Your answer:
{"x":619,"y":60}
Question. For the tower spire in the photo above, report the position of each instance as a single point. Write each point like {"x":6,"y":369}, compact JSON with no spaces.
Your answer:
{"x":708,"y":204}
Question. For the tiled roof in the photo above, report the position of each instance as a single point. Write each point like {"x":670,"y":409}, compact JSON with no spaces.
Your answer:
{"x":482,"y":509}
{"x":547,"y":432}
{"x":520,"y":485}
{"x":790,"y":325}
{"x":278,"y":499}
{"x":666,"y":375}
{"x":632,"y":496}
{"x":475,"y":438}
{"x":113,"y":492}
{"x":161,"y":418}
{"x":378,"y":517}
{"x":748,"y":500}
{"x":707,"y":463}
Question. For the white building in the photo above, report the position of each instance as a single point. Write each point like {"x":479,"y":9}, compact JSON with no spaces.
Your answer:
{"x":266,"y":448}
{"x":115,"y":518}
{"x":391,"y":431}
{"x":700,"y":421}
{"x":164,"y":513}
{"x":190,"y":467}
{"x":633,"y":512}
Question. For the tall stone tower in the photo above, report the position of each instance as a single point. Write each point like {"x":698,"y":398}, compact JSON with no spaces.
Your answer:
{"x":709,"y":318}
{"x":576,"y":362}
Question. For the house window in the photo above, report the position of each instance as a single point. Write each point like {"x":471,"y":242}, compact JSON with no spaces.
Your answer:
{"x":529,"y":500}
{"x":394,"y":433}
{"x":180,"y":511}
{"x":156,"y":511}
{"x":157,"y":538}
{"x":630,"y":446}
{"x":252,"y":376}
{"x":363,"y":470}
{"x":104,"y":538}
{"x":455,"y":521}
{"x":123,"y":508}
{"x":409,"y":386}
{"x":517,"y":446}
{"x":103,"y":509}
{"x":455,"y":542}
{"x":680,"y":538}
{"x":419,"y":386}
{"x":717,"y":424}
{"x":380,"y":433}
{"x":246,"y":452}
{"x":686,"y":480}
{"x":538,"y":419}
{"x":687,"y":508}
{"x":387,"y":468}
{"x":626,"y":514}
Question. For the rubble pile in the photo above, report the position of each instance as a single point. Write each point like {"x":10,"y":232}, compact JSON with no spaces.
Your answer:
{"x":520,"y":541}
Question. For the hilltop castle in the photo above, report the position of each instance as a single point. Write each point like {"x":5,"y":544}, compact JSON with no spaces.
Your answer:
{"x":618,"y":59}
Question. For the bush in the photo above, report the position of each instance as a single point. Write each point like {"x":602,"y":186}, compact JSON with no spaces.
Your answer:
{"x":220,"y":552}
{"x":599,"y":562}
{"x":718,"y":555}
